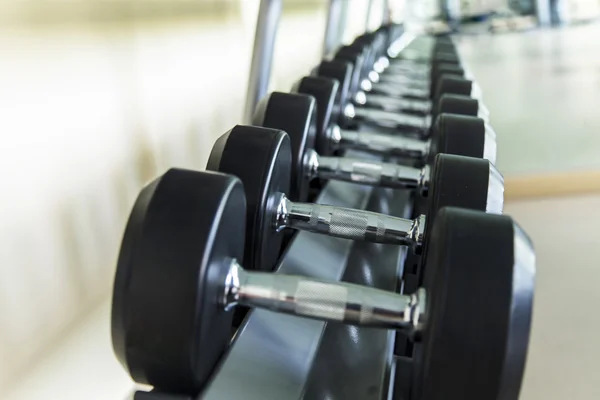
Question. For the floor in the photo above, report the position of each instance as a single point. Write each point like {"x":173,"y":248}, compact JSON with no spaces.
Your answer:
{"x":541,"y":89}
{"x":564,"y":350}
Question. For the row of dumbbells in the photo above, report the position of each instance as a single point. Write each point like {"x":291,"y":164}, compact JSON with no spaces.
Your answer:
{"x":200,"y":246}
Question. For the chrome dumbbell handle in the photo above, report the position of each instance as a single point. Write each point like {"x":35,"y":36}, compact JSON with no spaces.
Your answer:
{"x":392,"y":103}
{"x":400,"y":89}
{"x":326,"y":301}
{"x":392,"y":119}
{"x":393,"y":145}
{"x":367,"y":172}
{"x":348,"y":223}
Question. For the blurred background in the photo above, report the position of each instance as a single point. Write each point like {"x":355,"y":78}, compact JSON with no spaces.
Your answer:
{"x":99,"y":96}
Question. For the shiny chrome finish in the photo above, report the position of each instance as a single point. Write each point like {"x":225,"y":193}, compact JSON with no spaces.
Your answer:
{"x":400,"y":44}
{"x":383,"y":144}
{"x":391,"y":119}
{"x":495,"y":193}
{"x":326,"y":301}
{"x":311,"y":163}
{"x":393,"y":103}
{"x":401,"y":89}
{"x":348,"y":223}
{"x":262,"y":54}
{"x":362,"y":171}
{"x":332,"y":37}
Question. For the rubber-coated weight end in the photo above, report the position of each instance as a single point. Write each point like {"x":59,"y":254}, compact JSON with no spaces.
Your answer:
{"x":451,"y":84}
{"x":439,"y":70}
{"x":458,"y":134}
{"x":324,"y":90}
{"x":167,"y":327}
{"x":296,"y":114}
{"x":262,"y":159}
{"x":456,"y":104}
{"x":356,"y":59}
{"x":342,"y":71}
{"x":465,"y":182}
{"x":445,"y":58}
{"x":480,"y":281}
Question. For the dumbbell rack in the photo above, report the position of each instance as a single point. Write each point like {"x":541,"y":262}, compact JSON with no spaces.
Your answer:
{"x":279,"y":356}
{"x":276,"y":356}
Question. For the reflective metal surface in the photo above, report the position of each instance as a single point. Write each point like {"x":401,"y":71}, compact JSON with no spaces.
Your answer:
{"x":262,"y":54}
{"x":391,"y":119}
{"x":396,"y":104}
{"x":355,"y":362}
{"x":363,"y":171}
{"x":276,"y":356}
{"x":381,"y":143}
{"x":271,"y":355}
{"x":323,"y":300}
{"x":332,"y":37}
{"x":348,"y":223}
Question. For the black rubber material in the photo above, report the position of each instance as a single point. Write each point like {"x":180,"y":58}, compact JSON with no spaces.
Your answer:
{"x":367,"y":52}
{"x":341,"y":71}
{"x":296,"y":114}
{"x":262,"y":159}
{"x":456,"y":104}
{"x":357,"y":62}
{"x":466,"y":345}
{"x":445,"y":57}
{"x":453,"y":84}
{"x":324,"y":90}
{"x":439,"y":70}
{"x":458,"y":182}
{"x":458,"y":134}
{"x":442,"y":46}
{"x":167,"y":328}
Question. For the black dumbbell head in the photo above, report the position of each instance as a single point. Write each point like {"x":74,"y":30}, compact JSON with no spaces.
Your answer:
{"x":296,"y":114}
{"x":261,"y":158}
{"x":466,"y":182}
{"x":167,"y":329}
{"x":480,"y":274}
{"x":342,"y":71}
{"x":452,"y":84}
{"x":440,"y":70}
{"x":357,"y":62}
{"x":446,"y":57}
{"x":457,"y":104}
{"x":464,"y":136}
{"x":324,"y":90}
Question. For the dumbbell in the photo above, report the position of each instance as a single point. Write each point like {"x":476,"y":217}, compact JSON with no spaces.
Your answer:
{"x":403,"y":119}
{"x":452,"y":134}
{"x":262,"y":159}
{"x":403,"y":86}
{"x":179,"y":276}
{"x":464,"y":178}
{"x":418,"y":81}
{"x":416,"y":78}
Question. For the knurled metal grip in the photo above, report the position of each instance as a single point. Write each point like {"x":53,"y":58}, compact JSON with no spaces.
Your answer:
{"x":393,"y":120}
{"x":349,"y":223}
{"x":399,"y":89}
{"x":394,"y":104}
{"x":327,"y":301}
{"x":368,"y":172}
{"x":383,"y":144}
